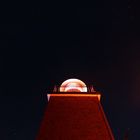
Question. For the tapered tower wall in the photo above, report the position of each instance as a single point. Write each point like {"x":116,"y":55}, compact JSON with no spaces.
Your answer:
{"x":74,"y":116}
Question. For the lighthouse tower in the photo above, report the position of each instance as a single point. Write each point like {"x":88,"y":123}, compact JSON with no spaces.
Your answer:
{"x":74,"y":112}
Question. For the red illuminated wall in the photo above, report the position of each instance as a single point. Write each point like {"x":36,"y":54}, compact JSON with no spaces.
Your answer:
{"x":74,"y":118}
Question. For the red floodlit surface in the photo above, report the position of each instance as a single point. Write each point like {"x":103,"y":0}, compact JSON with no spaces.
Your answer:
{"x":73,"y":85}
{"x":74,"y":117}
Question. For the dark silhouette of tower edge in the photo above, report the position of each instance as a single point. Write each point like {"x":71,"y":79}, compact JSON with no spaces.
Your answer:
{"x":74,"y":112}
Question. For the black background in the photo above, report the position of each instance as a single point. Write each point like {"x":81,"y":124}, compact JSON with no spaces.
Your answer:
{"x":43,"y":44}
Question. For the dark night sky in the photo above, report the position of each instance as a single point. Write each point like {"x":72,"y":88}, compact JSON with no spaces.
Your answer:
{"x":42,"y":45}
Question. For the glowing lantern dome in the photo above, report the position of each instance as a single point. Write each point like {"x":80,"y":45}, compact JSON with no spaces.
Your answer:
{"x":73,"y":85}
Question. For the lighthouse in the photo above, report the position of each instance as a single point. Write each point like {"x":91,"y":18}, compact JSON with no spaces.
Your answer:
{"x":74,"y":112}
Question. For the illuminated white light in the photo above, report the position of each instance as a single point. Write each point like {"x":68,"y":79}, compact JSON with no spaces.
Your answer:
{"x":73,"y":85}
{"x":73,"y":89}
{"x":48,"y":97}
